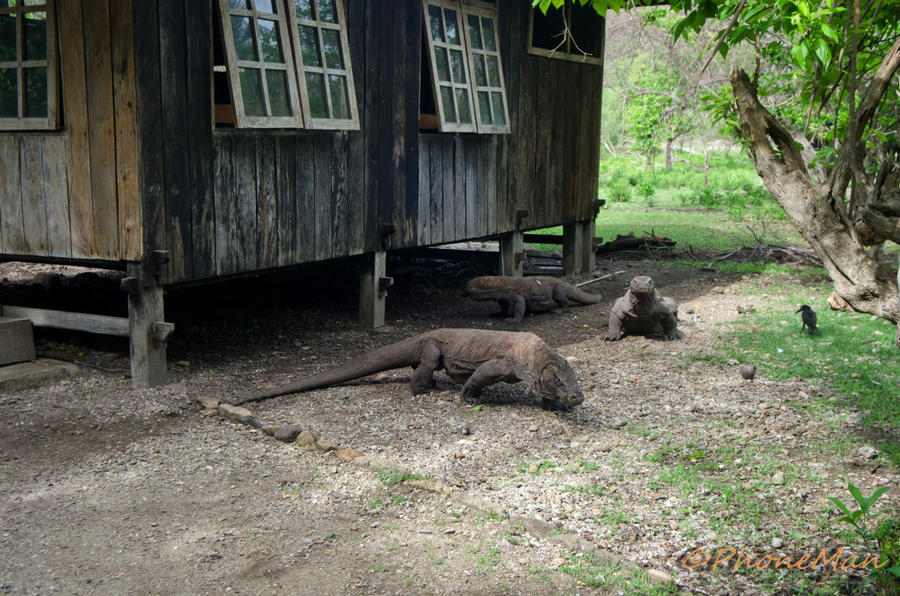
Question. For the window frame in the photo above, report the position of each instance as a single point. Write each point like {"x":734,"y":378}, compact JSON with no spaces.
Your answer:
{"x":242,"y":119}
{"x":351,"y":123}
{"x":486,"y":12}
{"x":436,"y":83}
{"x":51,"y":63}
{"x":559,"y":54}
{"x":463,"y":9}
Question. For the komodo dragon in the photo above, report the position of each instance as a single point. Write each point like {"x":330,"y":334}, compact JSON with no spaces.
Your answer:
{"x":474,"y":357}
{"x":641,"y":311}
{"x":518,"y":295}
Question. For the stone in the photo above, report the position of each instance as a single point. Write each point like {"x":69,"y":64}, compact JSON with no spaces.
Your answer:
{"x":288,"y":433}
{"x":208,"y":403}
{"x":233,"y":412}
{"x":778,"y":478}
{"x":16,"y":340}
{"x":748,"y":371}
{"x":347,"y":454}
{"x":209,"y":411}
{"x":660,"y":576}
{"x":777,"y":542}
{"x":270,"y":429}
{"x":305,"y":439}
{"x":867,"y":452}
{"x":250,"y":421}
{"x":324,"y":446}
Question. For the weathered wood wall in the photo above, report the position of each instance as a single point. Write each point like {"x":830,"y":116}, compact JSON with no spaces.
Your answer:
{"x":73,"y":193}
{"x":139,"y":164}
{"x":472,"y":185}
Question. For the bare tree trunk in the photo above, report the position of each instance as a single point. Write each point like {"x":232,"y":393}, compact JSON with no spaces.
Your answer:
{"x":816,"y":209}
{"x":669,"y":143}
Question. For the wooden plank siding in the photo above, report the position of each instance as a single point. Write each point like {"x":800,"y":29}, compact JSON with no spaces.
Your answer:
{"x":73,"y":193}
{"x":140,"y":165}
{"x":547,"y":165}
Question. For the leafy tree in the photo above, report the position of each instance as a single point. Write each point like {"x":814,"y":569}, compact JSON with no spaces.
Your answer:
{"x":819,"y":116}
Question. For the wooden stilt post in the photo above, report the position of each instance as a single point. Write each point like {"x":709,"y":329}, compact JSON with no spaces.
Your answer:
{"x":512,"y":255}
{"x":147,"y":328}
{"x":373,"y":287}
{"x":578,"y":247}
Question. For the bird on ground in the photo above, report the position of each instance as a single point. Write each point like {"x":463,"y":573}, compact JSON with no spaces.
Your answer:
{"x":808,"y":318}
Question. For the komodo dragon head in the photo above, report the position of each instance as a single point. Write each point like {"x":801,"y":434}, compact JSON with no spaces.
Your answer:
{"x":642,"y":287}
{"x":558,"y":384}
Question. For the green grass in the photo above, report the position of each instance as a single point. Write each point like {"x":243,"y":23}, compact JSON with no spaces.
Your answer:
{"x":853,"y":353}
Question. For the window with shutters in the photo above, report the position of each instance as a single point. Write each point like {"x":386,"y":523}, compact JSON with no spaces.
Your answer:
{"x":287,"y":65}
{"x":28,"y":65}
{"x":469,"y":94}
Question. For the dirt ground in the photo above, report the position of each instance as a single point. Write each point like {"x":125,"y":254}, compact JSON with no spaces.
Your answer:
{"x":107,"y":489}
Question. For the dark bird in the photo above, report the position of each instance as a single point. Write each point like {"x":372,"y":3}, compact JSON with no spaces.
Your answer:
{"x":808,"y":317}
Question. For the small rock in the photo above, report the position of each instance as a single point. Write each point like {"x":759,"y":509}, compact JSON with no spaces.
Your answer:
{"x":347,"y":454}
{"x":324,"y":446}
{"x":748,"y":371}
{"x":778,"y":478}
{"x":533,"y":428}
{"x":777,"y":542}
{"x":208,"y":403}
{"x":305,"y":439}
{"x":233,"y":412}
{"x":731,"y":362}
{"x":867,"y":452}
{"x":270,"y":429}
{"x":719,"y":290}
{"x":288,"y":433}
{"x":660,"y":576}
{"x":210,"y":412}
{"x":250,"y":421}
{"x":616,"y":423}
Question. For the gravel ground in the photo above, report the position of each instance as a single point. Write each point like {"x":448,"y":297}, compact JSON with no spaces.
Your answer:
{"x":108,"y":489}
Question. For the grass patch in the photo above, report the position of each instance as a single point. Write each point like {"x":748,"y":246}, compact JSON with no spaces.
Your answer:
{"x":611,"y":576}
{"x":853,"y":353}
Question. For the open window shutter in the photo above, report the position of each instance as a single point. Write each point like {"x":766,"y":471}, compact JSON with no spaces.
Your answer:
{"x":491,"y":110}
{"x":449,"y":66}
{"x":260,"y":64}
{"x":319,"y":33}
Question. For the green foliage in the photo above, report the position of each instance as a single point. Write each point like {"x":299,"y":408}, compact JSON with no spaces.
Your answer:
{"x":620,"y":191}
{"x":881,"y":539}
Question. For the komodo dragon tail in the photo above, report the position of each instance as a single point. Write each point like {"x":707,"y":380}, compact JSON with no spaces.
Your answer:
{"x":397,"y":355}
{"x":581,"y":297}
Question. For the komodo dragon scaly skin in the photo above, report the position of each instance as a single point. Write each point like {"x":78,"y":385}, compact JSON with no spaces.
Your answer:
{"x":475,"y":358}
{"x":641,"y":311}
{"x":519,"y":295}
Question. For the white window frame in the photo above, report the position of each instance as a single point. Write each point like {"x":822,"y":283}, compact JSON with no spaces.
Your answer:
{"x":473,"y":53}
{"x":288,"y":23}
{"x":468,"y":87}
{"x":51,"y":63}
{"x":567,"y":49}
{"x":326,"y":70}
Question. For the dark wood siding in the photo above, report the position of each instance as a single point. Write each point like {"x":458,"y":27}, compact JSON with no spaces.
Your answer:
{"x":471,"y":186}
{"x":231,"y":201}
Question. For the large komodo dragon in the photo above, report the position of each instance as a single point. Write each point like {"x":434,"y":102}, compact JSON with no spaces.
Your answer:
{"x":641,"y":311}
{"x":518,"y":295}
{"x":474,"y":357}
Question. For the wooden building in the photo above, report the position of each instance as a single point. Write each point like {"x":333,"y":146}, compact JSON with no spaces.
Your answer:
{"x":190,"y":140}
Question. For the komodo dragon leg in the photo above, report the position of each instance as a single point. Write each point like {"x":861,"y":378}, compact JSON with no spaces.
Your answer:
{"x":423,"y":376}
{"x":560,"y":297}
{"x":518,"y":307}
{"x":488,"y":373}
